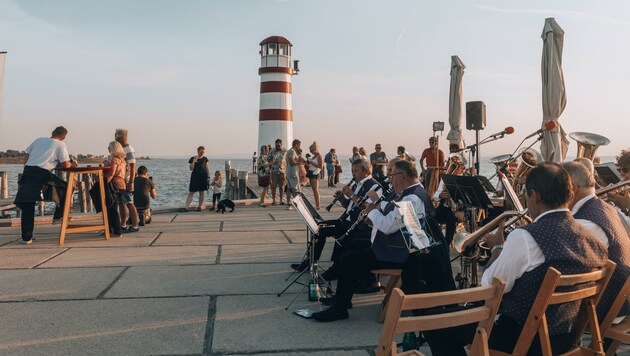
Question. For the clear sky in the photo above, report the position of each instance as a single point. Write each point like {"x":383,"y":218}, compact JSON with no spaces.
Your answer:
{"x":178,"y":74}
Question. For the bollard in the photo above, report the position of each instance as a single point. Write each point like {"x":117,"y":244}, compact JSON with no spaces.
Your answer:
{"x":4,"y":185}
{"x":242,"y":184}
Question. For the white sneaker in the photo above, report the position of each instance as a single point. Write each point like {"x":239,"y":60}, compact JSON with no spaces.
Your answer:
{"x":26,"y":242}
{"x":290,"y":207}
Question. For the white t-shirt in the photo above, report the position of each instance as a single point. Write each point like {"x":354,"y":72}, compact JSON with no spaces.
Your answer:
{"x":46,"y":153}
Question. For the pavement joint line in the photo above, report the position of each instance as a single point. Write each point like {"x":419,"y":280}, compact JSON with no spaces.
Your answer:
{"x":212,"y":312}
{"x":368,"y":349}
{"x":10,"y":242}
{"x":135,"y":266}
{"x":227,"y":295}
{"x":49,"y":258}
{"x":111,"y":285}
{"x":174,"y":217}
{"x":272,"y":217}
{"x":286,"y":236}
{"x":218,"y":259}
{"x":221,"y":226}
{"x":155,"y":239}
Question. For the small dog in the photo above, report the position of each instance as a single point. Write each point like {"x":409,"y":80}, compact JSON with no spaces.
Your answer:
{"x":225,"y":203}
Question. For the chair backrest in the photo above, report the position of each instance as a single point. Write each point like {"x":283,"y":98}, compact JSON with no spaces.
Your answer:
{"x":484,"y":314}
{"x":590,"y":285}
{"x":605,"y":325}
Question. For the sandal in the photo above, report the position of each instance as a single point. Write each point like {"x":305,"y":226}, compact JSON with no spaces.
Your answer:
{"x":273,"y":203}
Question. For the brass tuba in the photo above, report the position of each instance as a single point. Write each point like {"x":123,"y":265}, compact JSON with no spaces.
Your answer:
{"x":588,"y":143}
{"x":499,"y":161}
{"x":466,"y":242}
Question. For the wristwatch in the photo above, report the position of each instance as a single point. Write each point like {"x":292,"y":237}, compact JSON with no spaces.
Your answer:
{"x":626,"y":211}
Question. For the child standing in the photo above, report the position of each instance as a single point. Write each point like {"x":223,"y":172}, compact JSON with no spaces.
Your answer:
{"x":217,"y":183}
{"x":144,"y":190}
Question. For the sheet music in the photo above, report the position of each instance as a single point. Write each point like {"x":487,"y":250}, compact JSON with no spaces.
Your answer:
{"x":302,"y":209}
{"x":409,"y":216}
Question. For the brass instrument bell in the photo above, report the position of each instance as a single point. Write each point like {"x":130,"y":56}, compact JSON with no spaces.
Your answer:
{"x":588,"y":143}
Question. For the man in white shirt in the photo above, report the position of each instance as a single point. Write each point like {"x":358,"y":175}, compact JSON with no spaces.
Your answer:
{"x":44,"y":154}
{"x":604,"y":221}
{"x":553,"y":239}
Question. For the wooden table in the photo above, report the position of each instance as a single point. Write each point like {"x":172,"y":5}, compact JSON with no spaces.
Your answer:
{"x":66,"y":228}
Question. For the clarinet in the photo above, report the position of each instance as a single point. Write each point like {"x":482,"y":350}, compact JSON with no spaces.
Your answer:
{"x":387,"y":195}
{"x":338,"y":196}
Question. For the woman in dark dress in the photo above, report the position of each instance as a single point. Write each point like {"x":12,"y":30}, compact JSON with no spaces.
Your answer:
{"x":199,"y":178}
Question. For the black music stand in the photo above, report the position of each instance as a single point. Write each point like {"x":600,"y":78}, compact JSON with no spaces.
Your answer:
{"x":312,"y":219}
{"x":467,"y":190}
{"x":608,"y":173}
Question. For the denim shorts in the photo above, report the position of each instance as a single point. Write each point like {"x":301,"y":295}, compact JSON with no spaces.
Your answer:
{"x":126,"y":197}
{"x":330,"y":168}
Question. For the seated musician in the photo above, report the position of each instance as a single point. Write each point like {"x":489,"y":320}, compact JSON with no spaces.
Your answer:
{"x":602,"y":219}
{"x":348,"y":197}
{"x":387,"y":249}
{"x":622,"y":201}
{"x":553,"y":239}
{"x":444,"y":213}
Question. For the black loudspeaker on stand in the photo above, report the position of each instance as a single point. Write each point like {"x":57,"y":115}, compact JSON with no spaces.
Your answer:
{"x":475,"y":115}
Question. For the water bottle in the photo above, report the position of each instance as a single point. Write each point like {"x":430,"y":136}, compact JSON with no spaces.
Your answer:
{"x":410,"y":342}
{"x":313,"y":291}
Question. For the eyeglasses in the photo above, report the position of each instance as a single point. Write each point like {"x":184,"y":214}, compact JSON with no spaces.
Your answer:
{"x":377,"y":148}
{"x":394,"y":174}
{"x":624,"y":169}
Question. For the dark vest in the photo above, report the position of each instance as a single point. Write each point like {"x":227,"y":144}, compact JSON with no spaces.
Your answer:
{"x":569,"y":248}
{"x":606,"y":217}
{"x":393,"y":247}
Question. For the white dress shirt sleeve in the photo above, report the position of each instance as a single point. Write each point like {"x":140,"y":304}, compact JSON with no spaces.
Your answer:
{"x":392,"y":222}
{"x":520,"y":254}
{"x":595,"y":229}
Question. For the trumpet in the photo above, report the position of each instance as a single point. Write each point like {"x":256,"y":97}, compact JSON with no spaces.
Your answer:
{"x":621,"y":186}
{"x":337,"y":196}
{"x":464,"y":242}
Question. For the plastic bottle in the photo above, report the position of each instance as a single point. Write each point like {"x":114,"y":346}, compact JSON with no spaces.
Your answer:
{"x":313,"y":291}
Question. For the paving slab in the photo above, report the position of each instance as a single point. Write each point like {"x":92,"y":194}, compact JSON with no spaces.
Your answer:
{"x":221,"y":238}
{"x":105,"y":327}
{"x":267,"y":253}
{"x":25,"y":257}
{"x":264,"y":225}
{"x":46,"y":284}
{"x":320,"y":353}
{"x":134,"y":256}
{"x":94,"y":239}
{"x":182,"y":228}
{"x":268,"y":327}
{"x":158,"y":281}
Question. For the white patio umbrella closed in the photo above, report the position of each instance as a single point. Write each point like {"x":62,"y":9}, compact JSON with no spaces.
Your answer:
{"x":554,"y":145}
{"x":455,"y":102}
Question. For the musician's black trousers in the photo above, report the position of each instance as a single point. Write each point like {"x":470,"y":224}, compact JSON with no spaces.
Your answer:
{"x":444,"y":215}
{"x":358,"y":239}
{"x":504,"y":335}
{"x":353,"y":266}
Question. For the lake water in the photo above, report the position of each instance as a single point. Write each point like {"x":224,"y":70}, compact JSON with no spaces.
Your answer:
{"x":171,"y":176}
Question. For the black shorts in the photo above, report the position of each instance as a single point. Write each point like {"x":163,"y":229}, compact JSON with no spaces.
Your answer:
{"x":311,"y":175}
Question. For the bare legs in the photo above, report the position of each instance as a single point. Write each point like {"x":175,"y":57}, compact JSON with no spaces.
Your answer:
{"x":315,"y":186}
{"x":189,"y":199}
{"x":263,"y":195}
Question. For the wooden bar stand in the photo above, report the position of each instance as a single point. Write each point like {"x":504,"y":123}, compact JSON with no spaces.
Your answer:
{"x":66,"y":228}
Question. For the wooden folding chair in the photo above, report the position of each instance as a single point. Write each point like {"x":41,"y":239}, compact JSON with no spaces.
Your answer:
{"x":395,"y":324}
{"x":392,"y":282}
{"x":536,"y":322}
{"x":621,"y":332}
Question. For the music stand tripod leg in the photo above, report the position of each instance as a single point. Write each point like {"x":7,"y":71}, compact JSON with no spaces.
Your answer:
{"x":310,"y":250}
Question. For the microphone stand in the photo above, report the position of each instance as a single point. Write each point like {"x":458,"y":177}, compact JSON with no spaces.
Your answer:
{"x":513,"y":158}
{"x":474,"y":148}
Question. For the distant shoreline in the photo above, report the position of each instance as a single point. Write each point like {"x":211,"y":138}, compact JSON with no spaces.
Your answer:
{"x":22,"y":160}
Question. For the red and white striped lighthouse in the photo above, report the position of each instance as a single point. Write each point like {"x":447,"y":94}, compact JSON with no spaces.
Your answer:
{"x":275,"y":118}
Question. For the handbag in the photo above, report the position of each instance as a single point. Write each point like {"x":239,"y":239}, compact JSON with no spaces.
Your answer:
{"x":338,"y":169}
{"x":263,"y":181}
